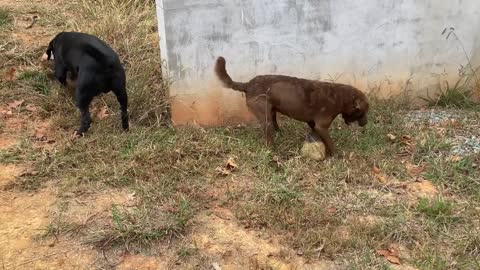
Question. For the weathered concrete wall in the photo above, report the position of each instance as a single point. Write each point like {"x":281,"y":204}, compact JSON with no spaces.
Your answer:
{"x":383,"y":45}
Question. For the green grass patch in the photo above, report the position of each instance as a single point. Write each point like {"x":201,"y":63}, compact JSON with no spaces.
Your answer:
{"x":5,"y":18}
{"x":438,"y":210}
{"x":142,"y":226}
{"x":37,"y":80}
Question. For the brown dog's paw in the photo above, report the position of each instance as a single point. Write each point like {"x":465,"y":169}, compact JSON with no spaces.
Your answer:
{"x":340,"y":154}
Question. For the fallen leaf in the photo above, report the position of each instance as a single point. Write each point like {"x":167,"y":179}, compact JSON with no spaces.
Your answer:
{"x":231,"y":164}
{"x":31,"y":108}
{"x":391,"y":255}
{"x":376,"y":170}
{"x":29,"y":173}
{"x":414,"y":170}
{"x":131,"y":200}
{"x":40,"y":133}
{"x":170,"y":209}
{"x":421,"y":188}
{"x":11,"y":74}
{"x":381,"y":177}
{"x":15,"y":104}
{"x":223,"y":213}
{"x":331,"y":210}
{"x":454,"y":158}
{"x":222,"y":171}
{"x":406,"y":138}
{"x":391,"y":137}
{"x":103,"y":113}
{"x":5,"y":111}
{"x":216,"y":266}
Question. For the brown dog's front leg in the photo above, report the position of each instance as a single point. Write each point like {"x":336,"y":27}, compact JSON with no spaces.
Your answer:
{"x":327,"y":140}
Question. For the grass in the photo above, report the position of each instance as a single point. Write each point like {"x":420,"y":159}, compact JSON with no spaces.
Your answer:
{"x":37,"y":80}
{"x":438,"y":210}
{"x":141,"y":226}
{"x":453,"y":98}
{"x":172,"y":172}
{"x":5,"y":18}
{"x":459,"y":95}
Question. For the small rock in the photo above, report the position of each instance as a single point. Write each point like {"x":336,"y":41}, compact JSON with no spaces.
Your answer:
{"x":313,"y":147}
{"x":216,"y":266}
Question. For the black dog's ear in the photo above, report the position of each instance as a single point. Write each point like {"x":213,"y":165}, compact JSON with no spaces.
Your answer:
{"x":50,"y":49}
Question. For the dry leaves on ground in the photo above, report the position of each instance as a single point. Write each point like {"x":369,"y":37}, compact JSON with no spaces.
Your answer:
{"x":31,"y":108}
{"x":11,"y":74}
{"x":454,"y":158}
{"x":414,"y":170}
{"x":379,"y":175}
{"x":103,"y":113}
{"x":229,"y":166}
{"x":15,"y":104}
{"x":391,"y":254}
{"x":43,"y":133}
{"x":391,"y":137}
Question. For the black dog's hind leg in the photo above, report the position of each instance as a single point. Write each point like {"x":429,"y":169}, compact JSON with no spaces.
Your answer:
{"x":83,"y":103}
{"x":121,"y":93}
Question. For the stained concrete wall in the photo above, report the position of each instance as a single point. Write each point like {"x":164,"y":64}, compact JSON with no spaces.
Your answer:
{"x":387,"y":46}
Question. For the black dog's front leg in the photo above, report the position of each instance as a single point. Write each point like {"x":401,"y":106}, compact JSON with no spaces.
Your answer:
{"x":123,"y":100}
{"x":61,"y":73}
{"x":121,"y":93}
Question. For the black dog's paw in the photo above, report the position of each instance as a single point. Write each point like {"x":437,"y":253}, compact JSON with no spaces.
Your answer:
{"x":77,"y":134}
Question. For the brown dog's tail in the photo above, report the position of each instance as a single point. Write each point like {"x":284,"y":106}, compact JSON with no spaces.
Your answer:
{"x":222,"y":74}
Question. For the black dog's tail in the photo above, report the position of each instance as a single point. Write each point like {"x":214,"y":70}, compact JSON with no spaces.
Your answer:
{"x":222,"y":74}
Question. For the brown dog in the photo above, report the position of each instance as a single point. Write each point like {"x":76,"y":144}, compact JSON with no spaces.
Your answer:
{"x":314,"y":102}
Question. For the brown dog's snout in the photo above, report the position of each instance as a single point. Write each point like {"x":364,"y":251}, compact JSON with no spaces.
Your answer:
{"x":363,"y":121}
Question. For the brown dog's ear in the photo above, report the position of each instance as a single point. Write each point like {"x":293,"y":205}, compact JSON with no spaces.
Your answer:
{"x":360,"y":104}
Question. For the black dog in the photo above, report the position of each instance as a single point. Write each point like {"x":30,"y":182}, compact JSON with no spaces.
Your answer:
{"x":95,"y":67}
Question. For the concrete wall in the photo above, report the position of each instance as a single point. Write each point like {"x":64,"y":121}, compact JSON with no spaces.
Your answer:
{"x":384,"y":45}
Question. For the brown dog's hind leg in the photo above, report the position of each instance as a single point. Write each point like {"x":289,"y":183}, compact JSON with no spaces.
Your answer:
{"x":259,"y":106}
{"x":274,"y":120}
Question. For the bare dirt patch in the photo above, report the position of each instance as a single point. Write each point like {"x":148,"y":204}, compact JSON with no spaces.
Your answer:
{"x":95,"y":206}
{"x":24,"y":218}
{"x":6,"y":142}
{"x":233,"y":247}
{"x":8,"y":173}
{"x":134,"y":262}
